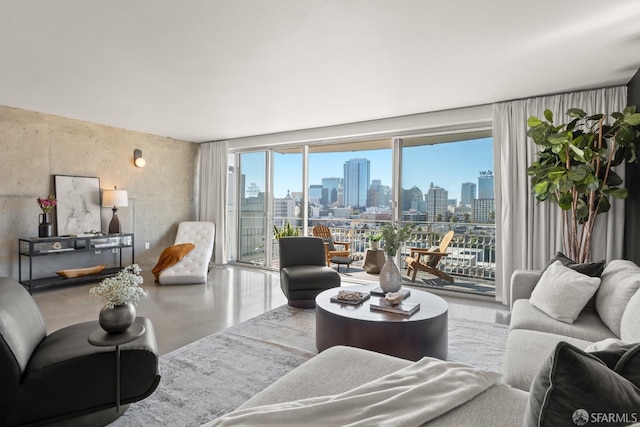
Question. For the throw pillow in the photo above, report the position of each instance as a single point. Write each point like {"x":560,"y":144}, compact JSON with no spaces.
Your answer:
{"x":330,"y":246}
{"x":620,"y":281}
{"x":629,"y":328}
{"x":562,"y":292}
{"x":591,"y":269}
{"x":612,"y":355}
{"x":430,"y":260}
{"x":575,"y":386}
{"x":629,"y":365}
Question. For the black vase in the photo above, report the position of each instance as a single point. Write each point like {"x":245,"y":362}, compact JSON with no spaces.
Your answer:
{"x":45,"y":228}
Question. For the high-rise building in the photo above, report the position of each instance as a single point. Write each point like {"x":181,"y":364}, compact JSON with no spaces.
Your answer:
{"x":437,"y":199}
{"x":485,"y":185}
{"x":411,"y":198}
{"x":332,"y":184}
{"x":483,"y":210}
{"x":356,"y":182}
{"x":284,"y":210}
{"x":315,"y":194}
{"x":378,"y":194}
{"x":467,"y":193}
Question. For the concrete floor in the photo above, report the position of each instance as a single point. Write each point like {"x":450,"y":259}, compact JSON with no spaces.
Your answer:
{"x":185,"y":313}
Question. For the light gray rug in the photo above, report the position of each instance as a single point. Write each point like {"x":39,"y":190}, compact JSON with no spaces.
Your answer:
{"x":218,"y":373}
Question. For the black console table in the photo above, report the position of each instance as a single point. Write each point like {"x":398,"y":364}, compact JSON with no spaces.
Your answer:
{"x":66,"y":246}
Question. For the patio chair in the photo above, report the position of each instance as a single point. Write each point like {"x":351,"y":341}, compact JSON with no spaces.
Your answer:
{"x":428,"y":259}
{"x":330,"y":246}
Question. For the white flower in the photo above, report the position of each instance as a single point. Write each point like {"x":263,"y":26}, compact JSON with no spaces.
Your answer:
{"x":122,"y":288}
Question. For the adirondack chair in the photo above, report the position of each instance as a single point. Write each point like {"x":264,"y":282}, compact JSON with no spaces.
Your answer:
{"x":428,"y":259}
{"x":329,"y":245}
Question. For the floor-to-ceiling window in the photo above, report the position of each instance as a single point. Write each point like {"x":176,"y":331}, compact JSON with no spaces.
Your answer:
{"x":437,"y":182}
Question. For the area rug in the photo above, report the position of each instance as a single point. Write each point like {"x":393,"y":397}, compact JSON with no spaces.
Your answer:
{"x":216,"y":374}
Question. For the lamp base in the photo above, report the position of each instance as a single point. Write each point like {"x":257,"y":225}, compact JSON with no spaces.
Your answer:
{"x":114,"y":225}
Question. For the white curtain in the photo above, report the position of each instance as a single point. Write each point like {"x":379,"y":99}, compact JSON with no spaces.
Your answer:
{"x":213,"y":193}
{"x":529,"y":233}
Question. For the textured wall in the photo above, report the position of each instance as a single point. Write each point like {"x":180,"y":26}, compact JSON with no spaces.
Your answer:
{"x":35,"y":146}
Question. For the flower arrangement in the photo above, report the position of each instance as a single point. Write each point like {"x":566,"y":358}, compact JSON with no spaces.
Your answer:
{"x":394,"y":236}
{"x":48,"y":203}
{"x":122,"y":288}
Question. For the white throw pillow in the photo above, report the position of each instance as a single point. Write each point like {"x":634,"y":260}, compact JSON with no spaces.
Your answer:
{"x":562,"y":292}
{"x":605,"y":344}
{"x":620,"y":281}
{"x":630,"y":323}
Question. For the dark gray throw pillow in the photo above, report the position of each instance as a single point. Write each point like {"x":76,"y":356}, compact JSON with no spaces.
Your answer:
{"x":629,"y":365}
{"x":591,"y":269}
{"x":612,"y":356}
{"x":573,"y":385}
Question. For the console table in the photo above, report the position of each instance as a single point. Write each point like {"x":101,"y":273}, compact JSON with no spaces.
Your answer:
{"x":66,"y":246}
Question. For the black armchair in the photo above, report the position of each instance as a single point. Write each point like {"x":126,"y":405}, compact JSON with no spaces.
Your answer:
{"x":50,"y":378}
{"x":303,"y":270}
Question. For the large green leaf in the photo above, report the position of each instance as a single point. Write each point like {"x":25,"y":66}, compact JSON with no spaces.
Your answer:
{"x":533,"y":122}
{"x":559,"y":138}
{"x":578,"y":152}
{"x":576,"y":112}
{"x":632,"y":119}
{"x":565,"y":201}
{"x":629,"y":110}
{"x":548,"y":115}
{"x":603,"y":204}
{"x":541,"y":188}
{"x":577,"y":174}
{"x":618,"y":193}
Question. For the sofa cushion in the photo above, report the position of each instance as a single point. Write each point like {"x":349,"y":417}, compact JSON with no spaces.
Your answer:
{"x":629,"y":328}
{"x":587,"y":326}
{"x":562,"y":292}
{"x":620,"y":281}
{"x":527,"y":351}
{"x":572,"y":380}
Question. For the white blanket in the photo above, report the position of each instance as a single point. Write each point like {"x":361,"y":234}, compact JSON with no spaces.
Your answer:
{"x":411,"y":396}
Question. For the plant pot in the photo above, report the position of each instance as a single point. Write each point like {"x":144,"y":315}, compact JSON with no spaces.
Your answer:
{"x":374,"y":245}
{"x":118,"y":319}
{"x":390,"y":277}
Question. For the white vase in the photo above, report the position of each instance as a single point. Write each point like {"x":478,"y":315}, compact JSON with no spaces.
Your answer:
{"x":374,"y":245}
{"x":390,"y":277}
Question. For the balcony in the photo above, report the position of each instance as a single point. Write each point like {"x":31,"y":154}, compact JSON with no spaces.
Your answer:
{"x":471,"y":260}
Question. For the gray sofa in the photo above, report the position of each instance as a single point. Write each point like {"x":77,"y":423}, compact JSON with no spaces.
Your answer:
{"x":532,"y":339}
{"x":533,"y":335}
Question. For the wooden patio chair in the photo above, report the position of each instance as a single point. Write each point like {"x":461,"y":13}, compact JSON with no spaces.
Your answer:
{"x":330,"y":249}
{"x":428,"y":259}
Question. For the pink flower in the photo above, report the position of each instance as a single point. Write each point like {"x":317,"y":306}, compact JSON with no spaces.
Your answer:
{"x":47,"y":204}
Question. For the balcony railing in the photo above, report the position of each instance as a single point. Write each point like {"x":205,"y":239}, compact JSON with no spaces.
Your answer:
{"x":471,"y":252}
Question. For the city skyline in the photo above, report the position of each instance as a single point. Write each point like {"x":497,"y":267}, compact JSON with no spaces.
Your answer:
{"x":446,"y":165}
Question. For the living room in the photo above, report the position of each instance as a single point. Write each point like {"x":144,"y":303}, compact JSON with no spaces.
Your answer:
{"x":42,"y":139}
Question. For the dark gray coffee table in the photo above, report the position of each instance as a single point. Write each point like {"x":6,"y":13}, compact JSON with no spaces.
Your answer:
{"x":425,"y":333}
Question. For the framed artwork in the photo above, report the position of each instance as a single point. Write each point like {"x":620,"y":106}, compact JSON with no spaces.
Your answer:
{"x":78,"y":208}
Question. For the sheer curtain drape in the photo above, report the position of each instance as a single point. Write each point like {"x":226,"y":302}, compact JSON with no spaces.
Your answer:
{"x":529,"y":233}
{"x":213,"y":193}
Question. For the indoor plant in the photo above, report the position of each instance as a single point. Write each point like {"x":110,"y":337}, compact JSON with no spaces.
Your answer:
{"x":119,"y":294}
{"x":574,"y":168}
{"x":286,"y":231}
{"x":393,"y":236}
{"x":374,"y":240}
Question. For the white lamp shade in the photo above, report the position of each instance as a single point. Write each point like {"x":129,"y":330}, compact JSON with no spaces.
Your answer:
{"x":115,"y":198}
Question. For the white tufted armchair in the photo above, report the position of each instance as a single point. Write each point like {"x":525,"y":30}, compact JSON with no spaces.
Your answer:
{"x":193,"y":268}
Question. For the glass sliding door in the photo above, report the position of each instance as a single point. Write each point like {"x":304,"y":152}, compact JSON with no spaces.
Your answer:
{"x":252,"y":207}
{"x":287,"y":195}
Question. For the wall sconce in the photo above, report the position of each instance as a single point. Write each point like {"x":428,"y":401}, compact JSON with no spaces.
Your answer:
{"x":115,"y":199}
{"x":137,"y":158}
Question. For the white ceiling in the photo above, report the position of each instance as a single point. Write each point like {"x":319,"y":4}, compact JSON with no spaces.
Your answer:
{"x":202,"y":70}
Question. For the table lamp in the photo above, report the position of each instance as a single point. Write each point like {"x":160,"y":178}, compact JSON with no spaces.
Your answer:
{"x":115,"y":199}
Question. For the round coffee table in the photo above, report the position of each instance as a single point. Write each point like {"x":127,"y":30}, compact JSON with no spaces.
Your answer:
{"x":425,"y":333}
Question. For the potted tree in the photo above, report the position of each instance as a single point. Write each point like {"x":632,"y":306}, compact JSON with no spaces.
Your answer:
{"x":574,"y":168}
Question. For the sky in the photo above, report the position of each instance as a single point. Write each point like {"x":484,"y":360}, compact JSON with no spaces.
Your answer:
{"x":447,"y":165}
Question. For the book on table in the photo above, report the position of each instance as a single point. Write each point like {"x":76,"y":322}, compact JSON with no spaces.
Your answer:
{"x":380,"y":293}
{"x":405,"y":308}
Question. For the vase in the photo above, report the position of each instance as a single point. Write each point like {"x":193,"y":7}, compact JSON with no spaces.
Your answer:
{"x":390,"y":277}
{"x":45,"y":228}
{"x":374,"y":245}
{"x":117,"y":320}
